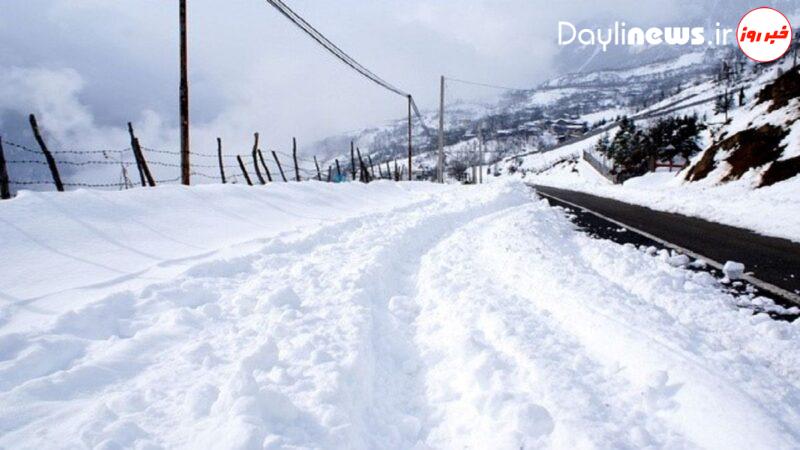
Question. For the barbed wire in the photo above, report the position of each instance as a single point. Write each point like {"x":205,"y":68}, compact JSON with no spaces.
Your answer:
{"x":64,"y":152}
{"x":306,"y":173}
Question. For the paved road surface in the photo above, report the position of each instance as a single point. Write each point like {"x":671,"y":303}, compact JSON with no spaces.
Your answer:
{"x":772,"y":260}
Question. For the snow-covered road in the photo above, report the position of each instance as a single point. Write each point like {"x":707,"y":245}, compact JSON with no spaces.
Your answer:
{"x":427,"y":317}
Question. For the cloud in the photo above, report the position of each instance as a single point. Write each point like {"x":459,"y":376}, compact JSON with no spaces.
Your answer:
{"x":89,"y":66}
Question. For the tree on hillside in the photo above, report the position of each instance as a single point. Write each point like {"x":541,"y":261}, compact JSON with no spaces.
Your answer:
{"x":632,"y":149}
{"x":603,"y":145}
{"x":624,"y":139}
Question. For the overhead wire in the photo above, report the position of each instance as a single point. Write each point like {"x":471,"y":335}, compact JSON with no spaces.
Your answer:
{"x":487,"y":85}
{"x":307,"y":28}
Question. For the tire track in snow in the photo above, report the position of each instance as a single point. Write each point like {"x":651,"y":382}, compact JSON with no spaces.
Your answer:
{"x":698,"y":396}
{"x":302,"y":342}
{"x":500,"y":374}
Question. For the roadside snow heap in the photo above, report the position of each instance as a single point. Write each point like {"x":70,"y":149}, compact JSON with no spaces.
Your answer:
{"x":388,"y":315}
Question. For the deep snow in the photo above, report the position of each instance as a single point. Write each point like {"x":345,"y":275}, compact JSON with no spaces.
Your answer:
{"x":390,"y":315}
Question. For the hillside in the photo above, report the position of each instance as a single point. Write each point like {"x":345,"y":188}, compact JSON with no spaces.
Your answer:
{"x":521,"y":121}
{"x":745,"y":176}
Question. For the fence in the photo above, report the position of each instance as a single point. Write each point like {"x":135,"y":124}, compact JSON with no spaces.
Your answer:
{"x":134,"y":165}
{"x":607,"y":172}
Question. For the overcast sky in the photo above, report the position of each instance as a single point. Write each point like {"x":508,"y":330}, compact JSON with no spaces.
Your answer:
{"x":88,"y":66}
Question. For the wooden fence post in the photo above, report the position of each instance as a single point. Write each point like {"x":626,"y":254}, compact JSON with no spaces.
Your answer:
{"x":396,"y":171}
{"x":388,"y":170}
{"x":371,"y":167}
{"x":319,"y":174}
{"x":219,"y":156}
{"x":244,"y":170}
{"x":5,"y":192}
{"x":352,"y":161}
{"x":338,"y":170}
{"x":280,"y":168}
{"x":51,"y":162}
{"x":264,"y":164}
{"x":150,"y":180}
{"x":139,"y":155}
{"x":380,"y":171}
{"x":294,"y":157}
{"x":329,"y":174}
{"x":255,"y":160}
{"x":136,"y":156}
{"x":362,"y":167}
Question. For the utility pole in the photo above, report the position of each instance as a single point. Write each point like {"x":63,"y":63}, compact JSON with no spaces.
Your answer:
{"x":184,"y":98}
{"x":440,"y":160}
{"x":410,"y":150}
{"x":480,"y":150}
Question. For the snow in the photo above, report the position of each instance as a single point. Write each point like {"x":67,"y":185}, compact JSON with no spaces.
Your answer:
{"x":771,"y":210}
{"x":733,"y":270}
{"x":389,"y":315}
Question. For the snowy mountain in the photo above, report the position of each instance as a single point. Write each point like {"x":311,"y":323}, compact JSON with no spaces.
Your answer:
{"x":522,"y":121}
{"x":746,"y":174}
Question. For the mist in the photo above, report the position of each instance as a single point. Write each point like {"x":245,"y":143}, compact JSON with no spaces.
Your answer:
{"x":87,"y":67}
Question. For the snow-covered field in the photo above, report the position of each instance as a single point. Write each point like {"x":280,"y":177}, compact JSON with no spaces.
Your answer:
{"x":390,"y":315}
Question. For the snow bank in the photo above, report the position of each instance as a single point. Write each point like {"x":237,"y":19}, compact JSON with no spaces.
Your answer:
{"x":65,"y":246}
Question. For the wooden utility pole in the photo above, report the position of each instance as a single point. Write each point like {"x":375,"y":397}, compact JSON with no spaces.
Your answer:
{"x":481,"y":151}
{"x":410,"y":149}
{"x":184,"y":98}
{"x":440,"y":159}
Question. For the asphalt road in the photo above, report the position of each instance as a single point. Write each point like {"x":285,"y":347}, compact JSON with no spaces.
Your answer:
{"x":771,"y":261}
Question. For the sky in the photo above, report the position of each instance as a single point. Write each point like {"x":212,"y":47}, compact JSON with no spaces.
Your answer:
{"x":86,"y":67}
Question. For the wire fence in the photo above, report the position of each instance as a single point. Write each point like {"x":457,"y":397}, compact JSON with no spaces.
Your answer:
{"x":28,"y":167}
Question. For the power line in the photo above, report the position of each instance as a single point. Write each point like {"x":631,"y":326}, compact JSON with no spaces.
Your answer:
{"x":342,"y":56}
{"x":492,"y":86}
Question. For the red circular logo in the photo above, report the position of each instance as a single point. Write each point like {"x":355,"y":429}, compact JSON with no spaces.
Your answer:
{"x":764,"y":34}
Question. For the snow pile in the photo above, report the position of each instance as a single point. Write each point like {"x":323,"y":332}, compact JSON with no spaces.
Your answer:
{"x":381,"y":316}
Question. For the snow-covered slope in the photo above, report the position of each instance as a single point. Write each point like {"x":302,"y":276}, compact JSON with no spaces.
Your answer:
{"x":726,"y":182}
{"x":408,"y":316}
